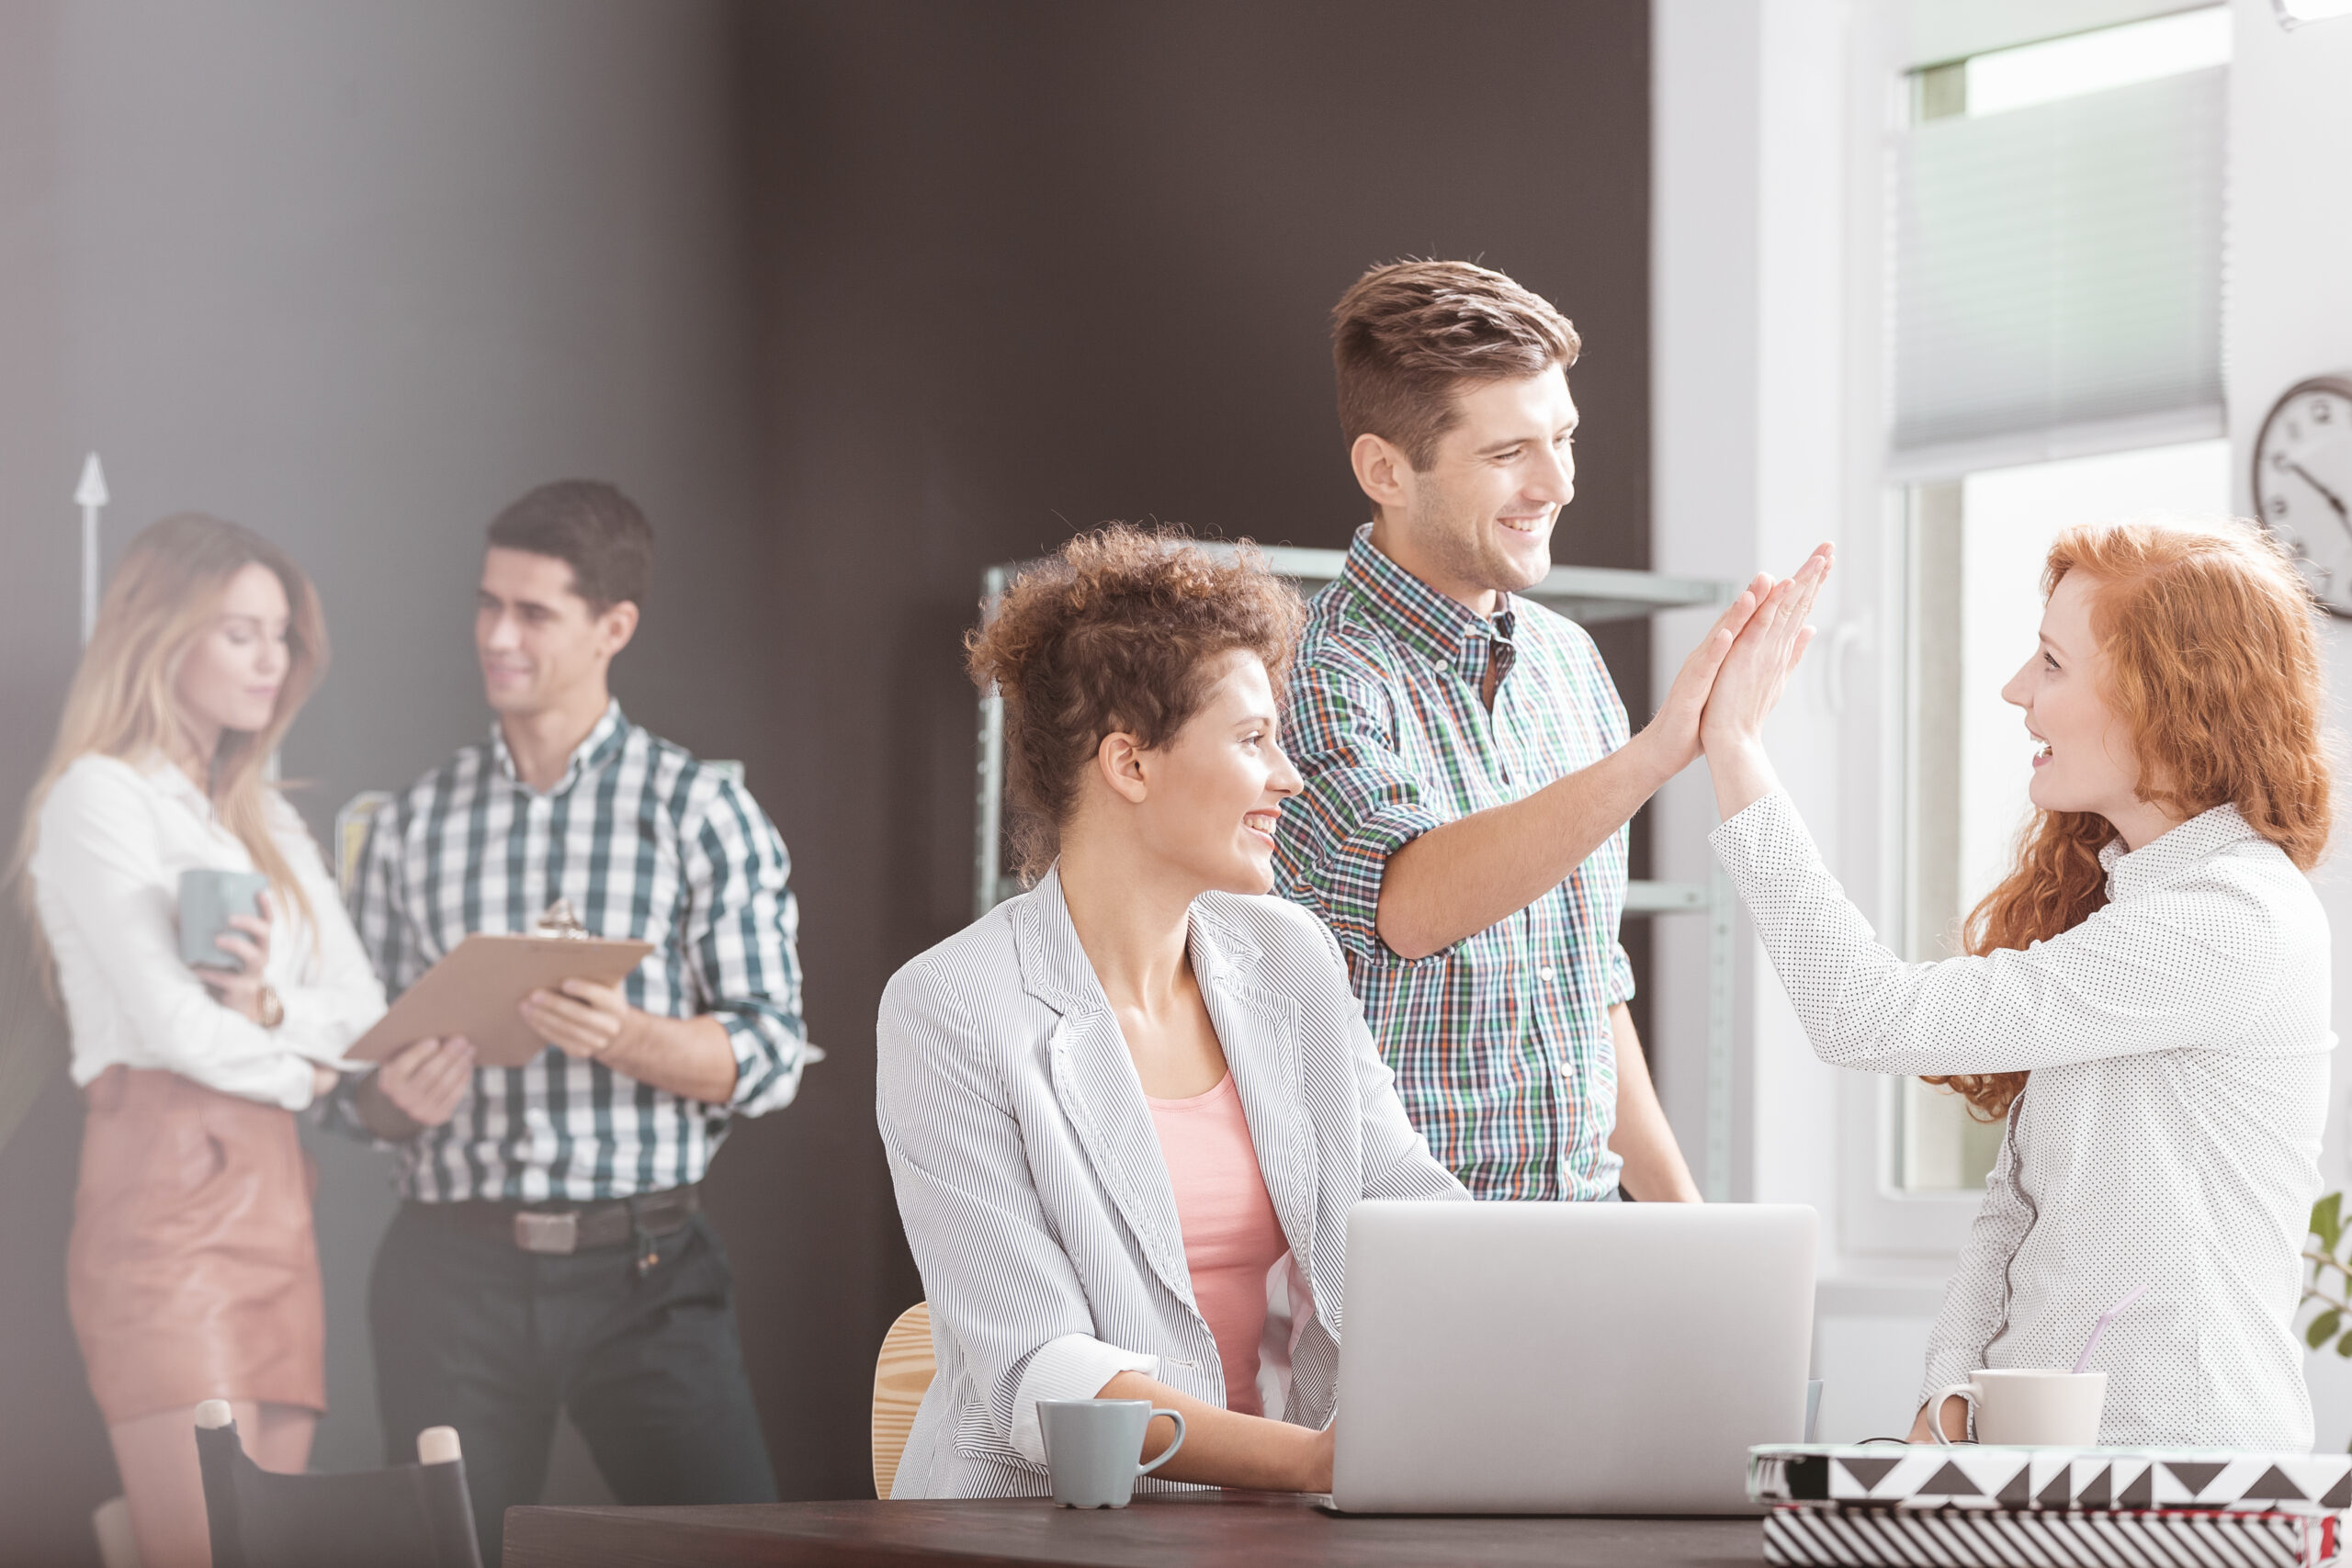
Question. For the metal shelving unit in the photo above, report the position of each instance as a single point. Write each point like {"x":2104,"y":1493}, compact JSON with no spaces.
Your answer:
{"x":1591,"y":596}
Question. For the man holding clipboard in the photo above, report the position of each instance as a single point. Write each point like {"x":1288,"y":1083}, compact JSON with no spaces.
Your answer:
{"x":550,"y":1252}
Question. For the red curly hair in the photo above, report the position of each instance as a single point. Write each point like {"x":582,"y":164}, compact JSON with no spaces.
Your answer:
{"x":2213,"y":664}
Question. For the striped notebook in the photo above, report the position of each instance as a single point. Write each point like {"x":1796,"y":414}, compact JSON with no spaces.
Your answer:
{"x":1867,"y":1537}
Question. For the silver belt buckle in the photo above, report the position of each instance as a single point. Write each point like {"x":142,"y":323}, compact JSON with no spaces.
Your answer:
{"x":557,"y":1233}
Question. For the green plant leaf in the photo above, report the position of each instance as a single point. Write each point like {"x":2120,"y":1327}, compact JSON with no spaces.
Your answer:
{"x":2322,"y":1328}
{"x":2327,"y":1220}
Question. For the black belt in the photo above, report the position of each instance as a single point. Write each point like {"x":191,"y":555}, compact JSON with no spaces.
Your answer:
{"x":564,"y":1228}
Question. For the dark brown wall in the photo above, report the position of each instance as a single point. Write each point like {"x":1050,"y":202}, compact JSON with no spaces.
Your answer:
{"x":1035,"y":265}
{"x":1022,"y":268}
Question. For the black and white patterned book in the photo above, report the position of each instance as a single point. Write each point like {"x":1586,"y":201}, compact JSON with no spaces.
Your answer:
{"x":1970,"y":1476}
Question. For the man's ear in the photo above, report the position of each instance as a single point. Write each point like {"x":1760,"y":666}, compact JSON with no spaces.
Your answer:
{"x":616,"y":627}
{"x":1381,"y":469}
{"x":1120,"y":761}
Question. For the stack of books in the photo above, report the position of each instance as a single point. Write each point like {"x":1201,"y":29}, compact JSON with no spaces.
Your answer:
{"x":1891,"y":1505}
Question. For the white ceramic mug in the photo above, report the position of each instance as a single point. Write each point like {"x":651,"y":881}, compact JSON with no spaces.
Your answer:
{"x":2020,"y":1405}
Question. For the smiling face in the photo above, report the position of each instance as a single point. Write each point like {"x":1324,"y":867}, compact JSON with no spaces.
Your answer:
{"x":233,"y":672}
{"x":1476,"y":520}
{"x":2086,"y":762}
{"x":1213,"y":792}
{"x":541,"y":645}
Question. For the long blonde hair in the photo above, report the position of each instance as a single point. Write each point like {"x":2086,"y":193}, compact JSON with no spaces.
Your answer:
{"x":121,"y":704}
{"x":2213,"y":665}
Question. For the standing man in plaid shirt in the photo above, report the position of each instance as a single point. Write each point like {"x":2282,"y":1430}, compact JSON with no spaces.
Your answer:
{"x":1469,"y":774}
{"x":550,"y":1252}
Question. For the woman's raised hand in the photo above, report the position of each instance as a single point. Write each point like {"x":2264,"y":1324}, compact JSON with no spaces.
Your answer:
{"x":1675,"y":729}
{"x":1749,"y":683}
{"x":1755,"y":671}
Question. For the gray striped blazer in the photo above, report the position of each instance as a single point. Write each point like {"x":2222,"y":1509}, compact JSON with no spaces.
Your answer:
{"x":1029,"y":1179}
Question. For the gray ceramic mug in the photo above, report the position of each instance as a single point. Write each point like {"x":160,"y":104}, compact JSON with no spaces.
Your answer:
{"x":208,"y":898}
{"x":1093,"y":1447}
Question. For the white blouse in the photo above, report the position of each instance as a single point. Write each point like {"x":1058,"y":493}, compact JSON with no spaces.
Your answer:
{"x":112,"y":842}
{"x":2170,"y":1133}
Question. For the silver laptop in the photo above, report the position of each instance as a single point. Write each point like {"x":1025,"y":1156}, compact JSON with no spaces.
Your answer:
{"x":1568,"y":1358}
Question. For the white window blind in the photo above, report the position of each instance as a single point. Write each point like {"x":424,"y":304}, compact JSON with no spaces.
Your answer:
{"x":2060,"y":264}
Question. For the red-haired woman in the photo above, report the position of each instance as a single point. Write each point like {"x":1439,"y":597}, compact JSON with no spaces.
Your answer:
{"x":1126,"y":1109}
{"x":2146,"y":994}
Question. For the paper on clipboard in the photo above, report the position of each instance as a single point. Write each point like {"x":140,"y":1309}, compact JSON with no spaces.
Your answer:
{"x":477,"y":989}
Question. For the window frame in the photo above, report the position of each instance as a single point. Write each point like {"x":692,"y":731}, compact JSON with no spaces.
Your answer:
{"x":1876,"y":705}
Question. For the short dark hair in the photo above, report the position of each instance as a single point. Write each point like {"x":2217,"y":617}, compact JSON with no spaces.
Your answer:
{"x":1406,"y":336}
{"x":591,"y":527}
{"x":1114,"y":632}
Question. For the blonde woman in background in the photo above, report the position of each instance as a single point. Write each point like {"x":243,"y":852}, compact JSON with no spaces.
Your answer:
{"x":193,"y":1273}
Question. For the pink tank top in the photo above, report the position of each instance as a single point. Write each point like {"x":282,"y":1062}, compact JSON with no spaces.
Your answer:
{"x":1232,"y":1238}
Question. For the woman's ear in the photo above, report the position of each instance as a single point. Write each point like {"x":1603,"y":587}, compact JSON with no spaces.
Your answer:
{"x":1120,"y":761}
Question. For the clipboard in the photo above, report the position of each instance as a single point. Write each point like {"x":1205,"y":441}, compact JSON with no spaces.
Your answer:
{"x":475,"y":990}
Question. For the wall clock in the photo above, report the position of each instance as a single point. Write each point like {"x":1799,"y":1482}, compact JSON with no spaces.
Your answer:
{"x":2302,"y":483}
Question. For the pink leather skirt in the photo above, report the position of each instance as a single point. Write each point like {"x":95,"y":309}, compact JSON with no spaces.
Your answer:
{"x":193,"y":1272}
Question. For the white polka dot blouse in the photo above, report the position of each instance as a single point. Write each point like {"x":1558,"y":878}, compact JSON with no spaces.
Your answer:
{"x":2169,"y":1135}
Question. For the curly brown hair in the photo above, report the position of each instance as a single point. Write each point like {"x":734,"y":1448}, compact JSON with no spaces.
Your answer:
{"x":1114,"y":633}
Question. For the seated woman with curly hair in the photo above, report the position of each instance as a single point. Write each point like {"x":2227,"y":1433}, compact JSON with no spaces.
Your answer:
{"x":1127,"y":1111}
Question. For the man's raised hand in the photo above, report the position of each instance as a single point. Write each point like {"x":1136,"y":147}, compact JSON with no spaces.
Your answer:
{"x":1674,"y":732}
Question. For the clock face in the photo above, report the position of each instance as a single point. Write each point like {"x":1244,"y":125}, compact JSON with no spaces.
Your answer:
{"x":2302,"y":484}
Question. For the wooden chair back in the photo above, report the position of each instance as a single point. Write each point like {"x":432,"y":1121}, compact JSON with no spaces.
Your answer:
{"x":902,"y":1373}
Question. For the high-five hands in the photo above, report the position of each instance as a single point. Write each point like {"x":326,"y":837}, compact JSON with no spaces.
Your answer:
{"x":1674,"y":731}
{"x":1749,"y":679}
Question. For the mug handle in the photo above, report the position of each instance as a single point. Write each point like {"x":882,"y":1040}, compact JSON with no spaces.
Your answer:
{"x":1935,"y":1409}
{"x":1169,"y":1452}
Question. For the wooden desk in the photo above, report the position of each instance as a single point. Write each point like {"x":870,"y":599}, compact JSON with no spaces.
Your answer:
{"x":1191,"y":1530}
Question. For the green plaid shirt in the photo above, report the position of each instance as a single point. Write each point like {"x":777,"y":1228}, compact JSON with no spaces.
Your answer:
{"x":1500,"y":1043}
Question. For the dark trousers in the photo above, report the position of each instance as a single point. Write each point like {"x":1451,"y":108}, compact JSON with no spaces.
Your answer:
{"x":473,"y":1333}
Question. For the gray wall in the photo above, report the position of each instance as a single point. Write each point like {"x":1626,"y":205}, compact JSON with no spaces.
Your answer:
{"x":356,"y":273}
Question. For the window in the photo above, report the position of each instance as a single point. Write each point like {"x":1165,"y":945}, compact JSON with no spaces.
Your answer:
{"x":1977,"y":549}
{"x":2057,"y":239}
{"x":2054,"y":240}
